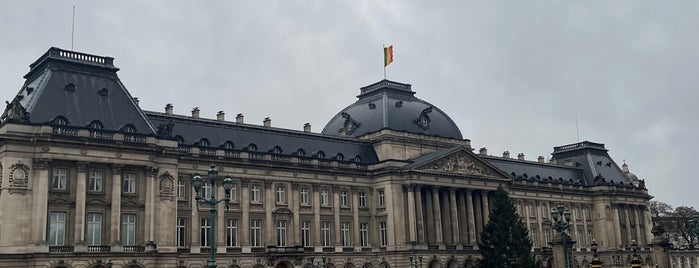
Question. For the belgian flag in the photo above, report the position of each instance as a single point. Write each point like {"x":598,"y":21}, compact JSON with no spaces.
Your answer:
{"x":387,"y":55}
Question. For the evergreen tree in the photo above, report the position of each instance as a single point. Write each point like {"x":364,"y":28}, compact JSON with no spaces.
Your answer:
{"x":505,"y":240}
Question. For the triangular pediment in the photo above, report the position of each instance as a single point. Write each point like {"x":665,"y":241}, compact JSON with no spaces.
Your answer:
{"x":457,"y":161}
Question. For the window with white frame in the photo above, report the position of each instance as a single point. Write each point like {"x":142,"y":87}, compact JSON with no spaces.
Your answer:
{"x":181,"y":232}
{"x":95,"y":183}
{"x":581,"y":239}
{"x":205,"y":191}
{"x":383,"y":233}
{"x":57,"y":228}
{"x":577,"y":212}
{"x":325,"y":233}
{"x":345,"y":234}
{"x":128,"y":229}
{"x":255,"y":193}
{"x":204,"y":230}
{"x":547,"y":235}
{"x":129,"y":183}
{"x":589,"y":236}
{"x":362,"y":199}
{"x":281,"y":194}
{"x":305,"y":200}
{"x":544,"y":211}
{"x":234,"y":192}
{"x":281,"y":233}
{"x":344,"y":200}
{"x":518,"y":206}
{"x":532,"y":209}
{"x":58,"y":181}
{"x":306,"y":233}
{"x":232,"y":232}
{"x":364,"y":234}
{"x":181,"y":189}
{"x":324,"y":197}
{"x":255,"y":233}
{"x":382,"y":198}
{"x":535,"y":241}
{"x":94,"y":229}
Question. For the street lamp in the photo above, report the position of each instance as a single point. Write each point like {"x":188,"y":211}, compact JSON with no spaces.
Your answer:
{"x":319,"y":265}
{"x":635,"y":260}
{"x":415,"y":263}
{"x":109,"y":263}
{"x":561,"y":219}
{"x":227,"y":186}
{"x":596,"y":262}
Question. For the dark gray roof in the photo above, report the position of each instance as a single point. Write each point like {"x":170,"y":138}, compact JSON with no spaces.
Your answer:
{"x":81,"y":88}
{"x":528,"y":170}
{"x":193,"y":130}
{"x":594,"y":161}
{"x":391,"y":105}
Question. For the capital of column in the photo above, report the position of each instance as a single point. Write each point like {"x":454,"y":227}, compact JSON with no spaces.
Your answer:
{"x":295,"y":186}
{"x":151,"y":171}
{"x":315,"y":187}
{"x":435,"y":188}
{"x":244,"y":182}
{"x":41,"y":163}
{"x":354,"y":189}
{"x":452,"y":190}
{"x":117,"y":168}
{"x":268,"y":184}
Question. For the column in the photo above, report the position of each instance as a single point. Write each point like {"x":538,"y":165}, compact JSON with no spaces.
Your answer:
{"x":245,"y":218}
{"x":437,"y":215}
{"x":639,"y":237}
{"x":528,"y":205}
{"x":617,"y":225}
{"x":220,"y":217}
{"x":575,"y":225}
{"x":629,"y":235}
{"x":454,"y":216}
{"x":355,"y":219}
{"x":539,"y":219}
{"x":149,"y":223}
{"x":461,"y":204}
{"x":412,"y":234}
{"x":316,"y":218}
{"x":486,"y":207}
{"x":429,"y":217}
{"x":647,"y":223}
{"x":445,"y":210}
{"x":419,"y":215}
{"x":115,"y":235}
{"x":296,"y":209}
{"x":40,"y":194}
{"x":471,"y":217}
{"x":80,"y":196}
{"x":588,"y":241}
{"x":269,"y":220}
{"x":336,"y":217}
{"x":195,"y":222}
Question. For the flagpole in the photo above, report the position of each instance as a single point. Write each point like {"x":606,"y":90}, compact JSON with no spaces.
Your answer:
{"x":383,"y":49}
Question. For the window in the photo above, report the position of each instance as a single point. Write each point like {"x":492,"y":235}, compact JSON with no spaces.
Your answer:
{"x":304,"y":196}
{"x":589,"y":236}
{"x":343,"y":198}
{"x":206,"y":190}
{"x":519,"y":209}
{"x":181,"y":189}
{"x":581,"y":239}
{"x":255,"y":193}
{"x":547,"y":236}
{"x":306,"y":233}
{"x":281,"y":233}
{"x":364,"y":234}
{"x":57,"y":229}
{"x":383,"y":231}
{"x":232,"y":233}
{"x":281,"y":194}
{"x":362,"y":199}
{"x":129,"y":183}
{"x":382,"y":198}
{"x":532,"y":209}
{"x":128,"y":229}
{"x":204,"y":230}
{"x":345,"y":234}
{"x":181,"y":232}
{"x":324,"y":199}
{"x":535,"y":242}
{"x":234,"y":193}
{"x":544,"y":211}
{"x":94,"y":229}
{"x":59,"y":179}
{"x":95,"y":184}
{"x":255,"y":233}
{"x":577,"y":213}
{"x":325,"y":233}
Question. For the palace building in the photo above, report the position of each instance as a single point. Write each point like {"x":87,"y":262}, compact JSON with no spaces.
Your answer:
{"x":89,"y":178}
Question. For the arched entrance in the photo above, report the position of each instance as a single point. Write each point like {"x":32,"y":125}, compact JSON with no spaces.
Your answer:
{"x":434,"y":264}
{"x":284,"y":265}
{"x":453,"y":264}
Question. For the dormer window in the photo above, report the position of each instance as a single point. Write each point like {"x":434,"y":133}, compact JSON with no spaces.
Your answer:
{"x":128,"y":129}
{"x":340,"y":157}
{"x":179,"y":139}
{"x":300,"y":152}
{"x":103,"y":92}
{"x":70,"y":87}
{"x":357,"y":159}
{"x":228,"y":145}
{"x":319,"y":154}
{"x":60,"y":120}
{"x":276,"y":150}
{"x":204,"y":142}
{"x":251,"y":148}
{"x":95,"y":125}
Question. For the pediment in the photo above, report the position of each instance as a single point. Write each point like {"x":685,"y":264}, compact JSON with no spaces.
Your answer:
{"x":460,"y":162}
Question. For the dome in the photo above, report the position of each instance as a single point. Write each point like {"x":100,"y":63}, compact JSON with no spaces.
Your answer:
{"x":391,"y":105}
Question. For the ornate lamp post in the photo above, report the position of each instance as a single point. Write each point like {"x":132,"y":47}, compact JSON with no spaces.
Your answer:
{"x":109,"y":263}
{"x":561,"y":219}
{"x":415,"y":263}
{"x":227,"y":186}
{"x":596,"y":262}
{"x":635,"y":259}
{"x":320,"y":264}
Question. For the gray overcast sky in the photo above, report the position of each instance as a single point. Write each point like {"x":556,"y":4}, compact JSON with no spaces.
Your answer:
{"x":513,"y":75}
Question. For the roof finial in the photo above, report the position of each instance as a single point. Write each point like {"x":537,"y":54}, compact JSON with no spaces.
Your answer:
{"x":625,"y":167}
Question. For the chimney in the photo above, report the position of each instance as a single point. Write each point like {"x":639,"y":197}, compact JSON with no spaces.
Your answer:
{"x":135,"y":99}
{"x":541,"y":159}
{"x":342,"y":133}
{"x":483,"y":151}
{"x":552,"y":161}
{"x":267,"y":122}
{"x":520,"y":156}
{"x":168,"y":108}
{"x":221,"y":116}
{"x":239,"y":118}
{"x":307,"y":127}
{"x":506,"y":154}
{"x":195,"y":112}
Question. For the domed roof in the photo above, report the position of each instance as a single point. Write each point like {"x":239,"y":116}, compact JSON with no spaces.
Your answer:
{"x":391,"y":105}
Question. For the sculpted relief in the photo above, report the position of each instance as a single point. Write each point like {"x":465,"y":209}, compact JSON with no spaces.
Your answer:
{"x":460,"y":163}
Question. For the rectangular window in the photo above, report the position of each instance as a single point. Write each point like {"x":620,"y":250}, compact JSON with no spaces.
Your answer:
{"x":58,"y":182}
{"x":364,"y":234}
{"x":519,"y":209}
{"x":305,"y":200}
{"x":205,"y":190}
{"x":345,"y":231}
{"x":324,"y":197}
{"x":232,"y":232}
{"x":95,"y":184}
{"x":234,"y":193}
{"x":382,"y":198}
{"x":383,"y":232}
{"x":532,"y":209}
{"x":589,"y":236}
{"x":325,"y":233}
{"x":281,"y":233}
{"x":544,"y":211}
{"x":577,"y":213}
{"x":94,"y":229}
{"x":343,"y":198}
{"x":255,"y":193}
{"x":281,"y":195}
{"x":362,"y":199}
{"x":535,"y":242}
{"x":129,"y":183}
{"x":256,"y":233}
{"x":181,"y":189}
{"x":57,"y":229}
{"x":547,"y":236}
{"x":204,"y":230}
{"x":581,"y":239}
{"x":181,"y":232}
{"x":306,"y":233}
{"x":128,"y":229}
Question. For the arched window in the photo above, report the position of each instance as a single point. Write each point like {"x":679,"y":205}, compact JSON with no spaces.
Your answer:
{"x":60,"y":120}
{"x":179,"y":139}
{"x":228,"y":145}
{"x":339,"y":157}
{"x":203,"y":142}
{"x":319,"y":154}
{"x":96,"y":124}
{"x":103,"y":92}
{"x":128,"y":128}
{"x":276,"y":150}
{"x":300,"y":152}
{"x":252,"y":147}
